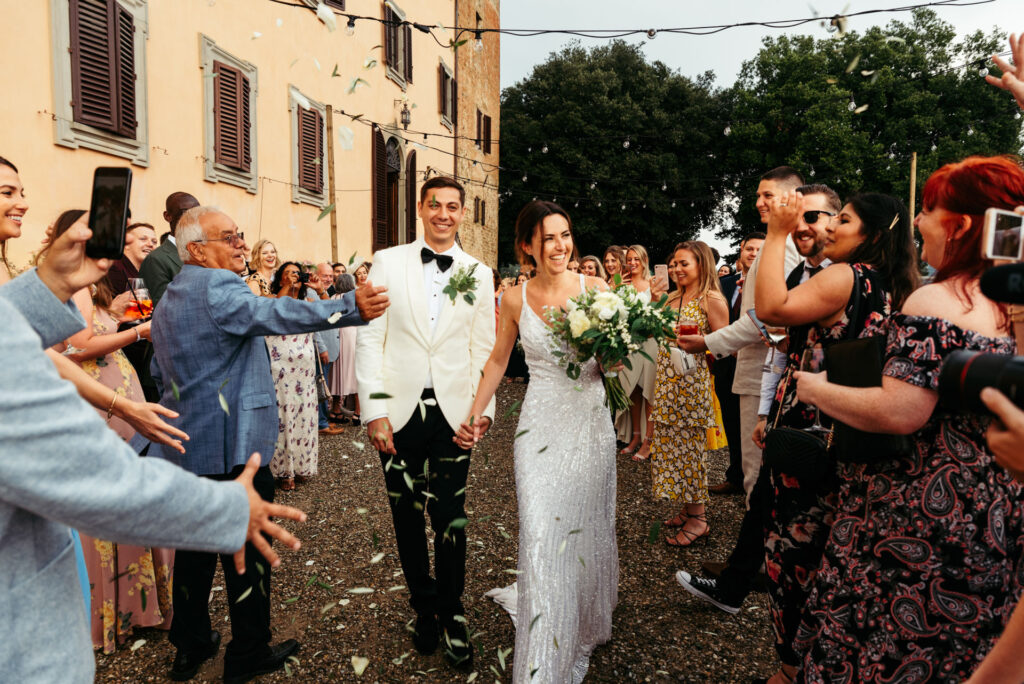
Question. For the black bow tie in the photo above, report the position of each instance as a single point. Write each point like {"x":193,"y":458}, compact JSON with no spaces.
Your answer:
{"x":812,"y":270}
{"x":444,"y":262}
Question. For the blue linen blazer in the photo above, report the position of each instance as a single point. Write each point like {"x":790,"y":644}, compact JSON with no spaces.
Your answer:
{"x":208,"y":343}
{"x":61,"y":466}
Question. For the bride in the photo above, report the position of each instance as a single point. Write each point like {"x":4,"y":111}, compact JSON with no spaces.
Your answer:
{"x":564,"y":467}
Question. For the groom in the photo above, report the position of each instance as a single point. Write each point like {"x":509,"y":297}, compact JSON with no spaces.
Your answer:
{"x":418,"y":367}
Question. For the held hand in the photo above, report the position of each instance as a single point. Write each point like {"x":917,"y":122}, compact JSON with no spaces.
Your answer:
{"x":1012,"y":79}
{"x":759,"y":430}
{"x":67,"y":269}
{"x":381,"y":436}
{"x":371,"y":301}
{"x":784,"y":212}
{"x":1005,"y":436}
{"x":808,"y":385}
{"x":471,"y":431}
{"x":145,"y":418}
{"x":260,"y":523}
{"x":694,"y":344}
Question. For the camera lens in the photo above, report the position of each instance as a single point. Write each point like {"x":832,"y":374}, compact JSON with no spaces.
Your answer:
{"x":965,"y":374}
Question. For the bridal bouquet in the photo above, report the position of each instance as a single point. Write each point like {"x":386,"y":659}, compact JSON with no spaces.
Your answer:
{"x":609,"y":326}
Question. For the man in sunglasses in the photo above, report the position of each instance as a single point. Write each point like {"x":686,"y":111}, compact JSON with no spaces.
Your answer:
{"x":212,"y":367}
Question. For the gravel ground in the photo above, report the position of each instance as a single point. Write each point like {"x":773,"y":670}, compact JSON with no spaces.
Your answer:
{"x":659,"y":632}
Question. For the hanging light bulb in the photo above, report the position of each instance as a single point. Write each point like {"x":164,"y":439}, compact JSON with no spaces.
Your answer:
{"x":544,"y":150}
{"x":651,"y":34}
{"x":350,"y":28}
{"x":934,"y":147}
{"x":529,"y":149}
{"x":673,"y":205}
{"x":857,"y":172}
{"x":812,"y":173}
{"x":1016,"y":115}
{"x":623,"y":207}
{"x":664,"y":186}
{"x":728,"y":130}
{"x":970,"y":130}
{"x":852,"y":106}
{"x":577,"y":205}
{"x":599,"y":203}
{"x":593,"y":185}
{"x":983,"y":71}
{"x":478,"y":44}
{"x":625,"y":144}
{"x":524,"y":177}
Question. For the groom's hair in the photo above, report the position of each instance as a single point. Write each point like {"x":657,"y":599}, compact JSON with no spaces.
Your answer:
{"x":442,"y":182}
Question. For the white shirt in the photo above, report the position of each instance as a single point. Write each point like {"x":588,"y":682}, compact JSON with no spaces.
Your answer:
{"x":775,"y":361}
{"x":434,"y":282}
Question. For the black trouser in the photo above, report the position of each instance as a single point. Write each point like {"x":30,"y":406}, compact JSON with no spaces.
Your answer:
{"x":436,"y":465}
{"x":250,"y":616}
{"x":747,"y":556}
{"x":724,"y":371}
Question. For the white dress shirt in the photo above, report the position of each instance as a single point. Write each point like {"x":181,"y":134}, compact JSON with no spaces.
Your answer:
{"x":434,"y":282}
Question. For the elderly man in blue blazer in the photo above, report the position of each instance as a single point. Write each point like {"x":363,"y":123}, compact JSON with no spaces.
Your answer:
{"x":61,"y":466}
{"x":211,"y":363}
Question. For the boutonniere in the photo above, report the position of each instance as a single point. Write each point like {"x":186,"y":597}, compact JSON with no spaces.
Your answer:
{"x":462,"y":282}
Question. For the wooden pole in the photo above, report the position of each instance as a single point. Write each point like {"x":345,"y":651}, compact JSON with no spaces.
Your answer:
{"x":913,"y":184}
{"x":330,"y":184}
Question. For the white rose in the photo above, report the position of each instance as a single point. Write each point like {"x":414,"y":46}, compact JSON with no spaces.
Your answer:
{"x":606,"y":305}
{"x":571,"y":305}
{"x":578,"y":322}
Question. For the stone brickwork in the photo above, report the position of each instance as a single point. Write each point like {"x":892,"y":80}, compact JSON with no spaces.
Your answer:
{"x":479,"y":90}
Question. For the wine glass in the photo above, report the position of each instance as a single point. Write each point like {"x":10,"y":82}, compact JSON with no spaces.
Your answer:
{"x":813,"y":361}
{"x":142,"y":303}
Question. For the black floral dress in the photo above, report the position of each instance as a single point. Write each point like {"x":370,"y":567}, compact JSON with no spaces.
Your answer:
{"x":922,"y":568}
{"x":800,"y":513}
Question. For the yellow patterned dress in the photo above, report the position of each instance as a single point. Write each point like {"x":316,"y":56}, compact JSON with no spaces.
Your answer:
{"x":130,"y":585}
{"x":682,"y":416}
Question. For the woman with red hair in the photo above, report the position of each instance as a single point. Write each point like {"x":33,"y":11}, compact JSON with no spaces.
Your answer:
{"x":920,"y":571}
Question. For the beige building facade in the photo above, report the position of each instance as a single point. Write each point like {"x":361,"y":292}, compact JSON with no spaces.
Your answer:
{"x":242,"y":103}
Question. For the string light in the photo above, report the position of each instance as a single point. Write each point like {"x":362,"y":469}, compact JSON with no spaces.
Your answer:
{"x":350,"y":27}
{"x":478,"y":44}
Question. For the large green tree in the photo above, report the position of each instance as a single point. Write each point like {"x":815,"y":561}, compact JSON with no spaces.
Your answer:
{"x":850,"y":110}
{"x":641,"y":134}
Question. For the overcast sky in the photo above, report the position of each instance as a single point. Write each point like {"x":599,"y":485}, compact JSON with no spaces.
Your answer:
{"x":723,"y":53}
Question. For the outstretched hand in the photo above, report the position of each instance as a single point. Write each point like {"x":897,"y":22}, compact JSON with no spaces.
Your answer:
{"x":146,"y":419}
{"x":260,"y":522}
{"x":66,"y":269}
{"x":371,"y":301}
{"x":1012,"y":79}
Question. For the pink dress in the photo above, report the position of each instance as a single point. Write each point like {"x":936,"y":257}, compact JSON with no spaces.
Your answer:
{"x":130,"y":585}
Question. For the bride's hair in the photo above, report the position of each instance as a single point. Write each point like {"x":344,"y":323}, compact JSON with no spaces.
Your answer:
{"x":707,"y":276}
{"x":529,"y":221}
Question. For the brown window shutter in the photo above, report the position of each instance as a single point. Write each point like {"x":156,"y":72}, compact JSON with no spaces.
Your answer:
{"x":379,"y":192}
{"x":454,"y":114}
{"x":442,"y":90}
{"x":93,"y":63}
{"x":231,"y":125}
{"x":479,"y":126}
{"x":483,"y":211}
{"x":410,"y":197}
{"x":407,"y":30}
{"x":245,"y":134}
{"x":311,"y":150}
{"x":486,"y":142}
{"x":390,"y":44}
{"x":476,"y":210}
{"x":336,"y":4}
{"x":126,"y":112}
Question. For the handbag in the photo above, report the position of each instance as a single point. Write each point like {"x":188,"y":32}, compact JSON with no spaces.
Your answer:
{"x":797,"y":453}
{"x":323,"y":392}
{"x":683,"y":363}
{"x":858,"y":362}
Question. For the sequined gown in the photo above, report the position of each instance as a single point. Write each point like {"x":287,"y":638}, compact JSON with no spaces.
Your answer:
{"x":565,"y":484}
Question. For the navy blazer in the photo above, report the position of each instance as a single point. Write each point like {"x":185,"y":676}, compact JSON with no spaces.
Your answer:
{"x":728,"y":284}
{"x":208,"y":339}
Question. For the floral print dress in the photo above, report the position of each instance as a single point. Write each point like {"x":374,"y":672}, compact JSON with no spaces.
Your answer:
{"x":130,"y":586}
{"x":293,"y":365}
{"x":800,"y":515}
{"x":682,"y":414}
{"x":923,"y":566}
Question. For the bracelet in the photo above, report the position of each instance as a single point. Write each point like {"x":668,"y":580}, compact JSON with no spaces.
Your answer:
{"x":138,"y":337}
{"x":110,"y":411}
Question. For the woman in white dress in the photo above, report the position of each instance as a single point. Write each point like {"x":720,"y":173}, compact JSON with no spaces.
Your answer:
{"x":564,"y":467}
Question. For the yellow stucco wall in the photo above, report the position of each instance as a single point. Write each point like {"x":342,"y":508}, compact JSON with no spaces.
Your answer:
{"x":58,"y":178}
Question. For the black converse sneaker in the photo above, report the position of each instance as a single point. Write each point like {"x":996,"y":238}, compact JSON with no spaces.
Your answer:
{"x":708,"y":590}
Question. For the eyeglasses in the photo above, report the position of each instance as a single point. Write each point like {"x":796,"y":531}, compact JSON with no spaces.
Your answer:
{"x":813,"y":215}
{"x":235,"y":239}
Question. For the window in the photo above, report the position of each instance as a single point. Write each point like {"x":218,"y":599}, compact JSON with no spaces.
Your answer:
{"x":397,"y":45}
{"x":479,"y":128}
{"x":229,"y":100}
{"x":336,"y":4}
{"x":479,"y":211}
{"x":447,"y":95}
{"x":483,"y":212}
{"x":308,"y":126}
{"x":486,"y":135}
{"x":98,"y":56}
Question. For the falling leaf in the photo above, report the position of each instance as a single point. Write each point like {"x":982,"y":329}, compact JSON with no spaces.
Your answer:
{"x":423,"y":410}
{"x":301,"y":100}
{"x":380,"y":395}
{"x":408,"y":482}
{"x":294,"y":61}
{"x":244,"y":595}
{"x":471,"y":677}
{"x":377,"y":559}
{"x":223,"y":403}
{"x":334,"y":317}
{"x":652,"y":534}
{"x":458,"y":523}
{"x":316,"y":63}
{"x":356,"y":82}
{"x":326,"y":15}
{"x":853,"y":65}
{"x":256,"y":34}
{"x":534,"y":620}
{"x":279,"y":22}
{"x":860,"y":109}
{"x":359,"y":664}
{"x":561,"y":547}
{"x":352,"y":259}
{"x":397,"y":587}
{"x":326,"y":608}
{"x":175,"y":392}
{"x":325,"y":211}
{"x":515,"y":572}
{"x":369,"y":63}
{"x":359,"y":590}
{"x":520,"y":434}
{"x":895,"y":39}
{"x":511,"y":409}
{"x":138,"y":644}
{"x":867,"y":73}
{"x":362,"y":511}
{"x":430,"y":402}
{"x":293,"y":599}
{"x":543,"y":449}
{"x":359,"y":445}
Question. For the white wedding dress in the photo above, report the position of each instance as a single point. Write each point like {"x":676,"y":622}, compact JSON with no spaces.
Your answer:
{"x":565,"y":483}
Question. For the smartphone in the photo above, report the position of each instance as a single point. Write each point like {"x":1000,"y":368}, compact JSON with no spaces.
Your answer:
{"x":1001,"y":240}
{"x":108,"y":212}
{"x":661,"y":275}
{"x":769,"y":337}
{"x":303,"y":277}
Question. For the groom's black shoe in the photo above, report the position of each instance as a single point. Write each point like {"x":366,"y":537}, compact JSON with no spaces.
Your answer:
{"x":425,"y":634}
{"x":458,"y":652}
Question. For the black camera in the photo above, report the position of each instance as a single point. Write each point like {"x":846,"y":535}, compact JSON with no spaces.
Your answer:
{"x":965,"y":374}
{"x":303,"y":277}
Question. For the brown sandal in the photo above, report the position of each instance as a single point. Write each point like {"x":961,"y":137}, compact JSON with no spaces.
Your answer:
{"x":677,"y":521}
{"x":286,"y":483}
{"x":689,"y":537}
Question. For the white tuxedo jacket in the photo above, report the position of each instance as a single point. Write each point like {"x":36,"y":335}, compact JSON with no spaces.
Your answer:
{"x":395,"y":351}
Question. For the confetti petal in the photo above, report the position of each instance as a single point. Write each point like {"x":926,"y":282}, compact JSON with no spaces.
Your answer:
{"x":359,"y":664}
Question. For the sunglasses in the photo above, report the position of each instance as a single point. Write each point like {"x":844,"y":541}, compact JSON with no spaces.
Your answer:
{"x":811,"y":217}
